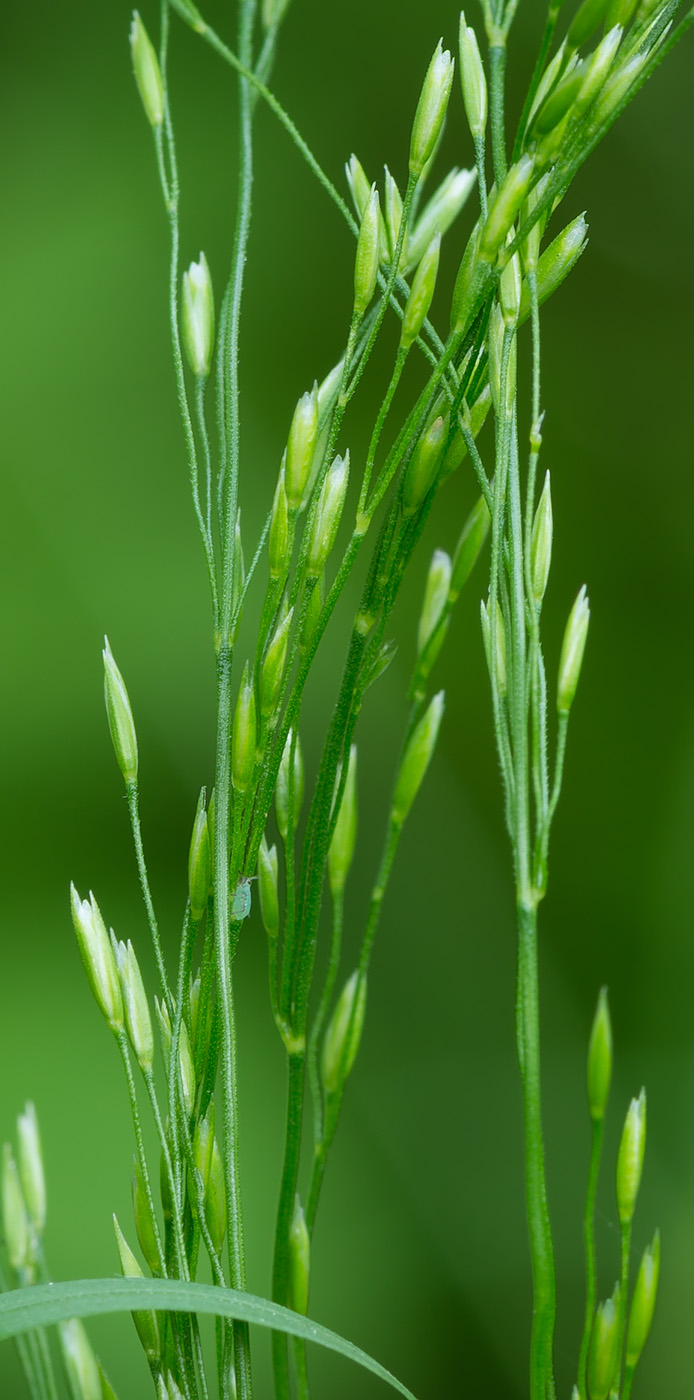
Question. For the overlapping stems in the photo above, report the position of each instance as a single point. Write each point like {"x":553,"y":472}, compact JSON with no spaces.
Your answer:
{"x":455,"y":388}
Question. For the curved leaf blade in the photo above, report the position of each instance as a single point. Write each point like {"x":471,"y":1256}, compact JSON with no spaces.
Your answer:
{"x":46,"y":1304}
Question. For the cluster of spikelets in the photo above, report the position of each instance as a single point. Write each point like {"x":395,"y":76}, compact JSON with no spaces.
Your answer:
{"x":502,"y":269}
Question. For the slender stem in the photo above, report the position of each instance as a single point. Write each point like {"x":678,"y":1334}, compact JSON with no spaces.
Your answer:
{"x":497,"y":75}
{"x":383,"y":412}
{"x":628,"y":1381}
{"x":481,"y":163}
{"x":290,"y":1173}
{"x":589,"y":1243}
{"x":132,"y":794}
{"x":625,"y":1234}
{"x":322,"y":1012}
{"x":541,"y":1247}
{"x":550,"y":26}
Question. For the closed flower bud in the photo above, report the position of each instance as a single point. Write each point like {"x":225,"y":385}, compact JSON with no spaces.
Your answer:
{"x":273,"y":666}
{"x":343,"y":1034}
{"x":559,"y":102}
{"x":14,"y":1214}
{"x":31,"y":1167}
{"x":120,"y":717}
{"x":556,"y":262}
{"x":147,"y":72}
{"x":197,"y":317}
{"x":359,"y":185}
{"x":603,"y":1354}
{"x":367,"y":255}
{"x":431,"y":108}
{"x":299,"y":1260}
{"x":145,"y":1321}
{"x":510,"y":292}
{"x":300,"y":446}
{"x":586,"y":21}
{"x":185,"y":1058}
{"x":278,"y":539}
{"x":555,"y":68}
{"x":616,"y":89}
{"x":345,"y":834}
{"x":282,"y":795}
{"x":440,"y":212}
{"x":597,"y":69}
{"x":572,"y":651}
{"x":199,"y":862}
{"x":473,"y":80}
{"x":267,"y":888}
{"x":469,"y":546}
{"x":80,"y":1362}
{"x":215,"y":1199}
{"x":243,"y":735}
{"x":630,"y":1157}
{"x":416,"y":759}
{"x":600,"y":1059}
{"x":500,"y":647}
{"x":424,"y":465}
{"x":467,"y":280}
{"x":144,"y":1223}
{"x":136,"y":1006}
{"x":643,"y":1302}
{"x":393,"y":203}
{"x":435,"y":597}
{"x":505,"y":207}
{"x":541,"y":543}
{"x":421,"y":293}
{"x":326,"y":517}
{"x":98,"y":958}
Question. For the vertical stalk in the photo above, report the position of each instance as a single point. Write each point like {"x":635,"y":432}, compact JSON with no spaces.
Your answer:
{"x":589,"y":1242}
{"x":290,"y":1173}
{"x":497,"y":75}
{"x":541,"y":1248}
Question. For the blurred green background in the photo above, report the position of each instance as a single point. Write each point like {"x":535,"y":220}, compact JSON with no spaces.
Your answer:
{"x":420,"y":1251}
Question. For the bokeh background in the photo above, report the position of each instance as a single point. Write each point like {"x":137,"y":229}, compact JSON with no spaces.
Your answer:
{"x":420,"y":1251}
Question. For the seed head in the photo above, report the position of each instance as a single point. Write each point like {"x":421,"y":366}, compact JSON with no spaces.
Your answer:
{"x":431,"y":108}
{"x":300,"y":445}
{"x":136,"y":1006}
{"x":421,"y":293}
{"x":643,"y":1301}
{"x":416,"y":760}
{"x":31,"y":1167}
{"x":147,"y":72}
{"x":630,"y":1157}
{"x":120,"y":717}
{"x":345,"y":834}
{"x":199,"y":862}
{"x":98,"y":958}
{"x":282,"y":803}
{"x":326,"y":519}
{"x":197,"y":317}
{"x":572,"y":651}
{"x":14,"y":1214}
{"x":600,"y":1059}
{"x":368,"y":255}
{"x":473,"y":80}
{"x":469,"y":546}
{"x":541,"y":544}
{"x":343,"y":1034}
{"x":267,"y":888}
{"x":440,"y":212}
{"x":243,"y":738}
{"x":299,"y":1260}
{"x":603,"y":1354}
{"x":424,"y":465}
{"x":435,"y":597}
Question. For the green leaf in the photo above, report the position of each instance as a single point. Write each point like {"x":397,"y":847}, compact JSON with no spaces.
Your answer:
{"x":41,"y":1306}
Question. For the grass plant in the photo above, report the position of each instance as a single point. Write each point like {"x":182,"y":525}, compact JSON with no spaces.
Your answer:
{"x":334,"y":517}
